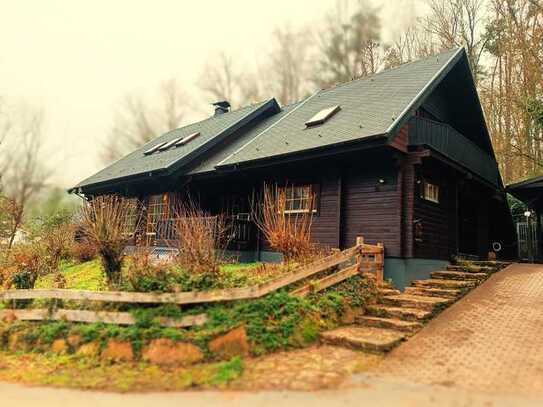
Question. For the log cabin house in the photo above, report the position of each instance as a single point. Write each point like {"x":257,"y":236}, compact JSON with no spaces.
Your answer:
{"x":402,"y":157}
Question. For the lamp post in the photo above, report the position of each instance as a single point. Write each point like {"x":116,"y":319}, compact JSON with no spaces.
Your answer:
{"x":528,"y":214}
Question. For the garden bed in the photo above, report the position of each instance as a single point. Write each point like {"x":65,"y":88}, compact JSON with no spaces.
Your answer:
{"x":148,"y":356}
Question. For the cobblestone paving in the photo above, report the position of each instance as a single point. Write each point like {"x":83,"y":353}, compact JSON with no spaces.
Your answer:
{"x":491,"y":340}
{"x":314,"y":368}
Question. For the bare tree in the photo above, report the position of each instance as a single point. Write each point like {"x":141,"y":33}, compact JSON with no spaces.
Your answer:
{"x":137,"y":121}
{"x":222,"y":79}
{"x":25,"y":176}
{"x":414,"y":43}
{"x":349,"y":45}
{"x":287,"y":72}
{"x":458,"y":23}
{"x":512,"y":93}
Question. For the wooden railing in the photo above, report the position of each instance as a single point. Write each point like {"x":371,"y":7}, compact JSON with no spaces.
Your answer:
{"x":452,"y":144}
{"x":362,"y":258}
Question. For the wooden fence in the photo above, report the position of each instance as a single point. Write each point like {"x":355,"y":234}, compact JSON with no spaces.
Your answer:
{"x":362,"y":258}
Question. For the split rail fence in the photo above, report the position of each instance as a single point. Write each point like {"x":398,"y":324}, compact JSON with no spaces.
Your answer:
{"x":362,"y":258}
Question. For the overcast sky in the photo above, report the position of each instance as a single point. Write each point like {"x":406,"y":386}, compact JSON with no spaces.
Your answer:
{"x":76,"y":59}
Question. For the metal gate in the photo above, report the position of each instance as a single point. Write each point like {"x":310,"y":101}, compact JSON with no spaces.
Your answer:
{"x":527,"y":240}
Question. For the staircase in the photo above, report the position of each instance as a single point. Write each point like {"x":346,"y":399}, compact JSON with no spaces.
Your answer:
{"x":396,"y":315}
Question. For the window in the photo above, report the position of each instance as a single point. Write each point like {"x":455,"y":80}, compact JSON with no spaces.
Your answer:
{"x":170,"y":143}
{"x":430,"y":192}
{"x":185,"y":140}
{"x":131,"y":217}
{"x":154,"y":148}
{"x":323,"y":116}
{"x":157,"y":211}
{"x":298,"y":198}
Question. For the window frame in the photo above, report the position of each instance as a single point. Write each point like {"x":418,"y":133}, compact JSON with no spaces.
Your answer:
{"x":154,"y":217}
{"x":308,"y":192}
{"x":430,"y":192}
{"x":131,"y":220}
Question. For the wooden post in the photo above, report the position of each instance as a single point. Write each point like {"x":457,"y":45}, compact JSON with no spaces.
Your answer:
{"x":380,"y":264}
{"x":359,"y":257}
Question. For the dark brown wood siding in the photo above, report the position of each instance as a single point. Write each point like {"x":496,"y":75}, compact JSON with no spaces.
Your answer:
{"x":437,"y":238}
{"x":325,"y":223}
{"x":370,"y":208}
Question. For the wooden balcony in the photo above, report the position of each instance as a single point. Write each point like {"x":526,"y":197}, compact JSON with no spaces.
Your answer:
{"x":452,"y":144}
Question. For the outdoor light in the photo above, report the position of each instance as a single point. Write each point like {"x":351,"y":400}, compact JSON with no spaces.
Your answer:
{"x":527,"y":213}
{"x":381,"y":181}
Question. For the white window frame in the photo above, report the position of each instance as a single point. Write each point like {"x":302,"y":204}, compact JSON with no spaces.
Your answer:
{"x":131,"y":218}
{"x":430,"y":192}
{"x":304,"y":197}
{"x":157,"y":210}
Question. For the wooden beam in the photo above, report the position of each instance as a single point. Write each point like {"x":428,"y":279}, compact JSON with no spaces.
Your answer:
{"x":327,"y":281}
{"x":118,"y":318}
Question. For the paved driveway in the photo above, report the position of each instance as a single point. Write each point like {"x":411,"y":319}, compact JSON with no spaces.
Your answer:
{"x":490,"y":341}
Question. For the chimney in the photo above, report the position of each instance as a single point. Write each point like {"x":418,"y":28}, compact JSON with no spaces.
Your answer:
{"x":221,"y":107}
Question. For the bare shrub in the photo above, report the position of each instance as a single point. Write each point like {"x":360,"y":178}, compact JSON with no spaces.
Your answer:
{"x":25,"y":264}
{"x":145,"y":273}
{"x":104,"y":225}
{"x":58,"y":243}
{"x":201,"y":238}
{"x":9,"y":212}
{"x":287,"y":233}
{"x":84,"y":251}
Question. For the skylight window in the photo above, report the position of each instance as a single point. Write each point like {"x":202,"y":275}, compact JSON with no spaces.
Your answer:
{"x":185,"y":140}
{"x":170,"y":143}
{"x":154,"y":148}
{"x":323,"y":116}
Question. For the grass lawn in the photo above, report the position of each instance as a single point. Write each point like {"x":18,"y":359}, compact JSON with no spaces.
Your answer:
{"x":84,"y":276}
{"x":89,"y":275}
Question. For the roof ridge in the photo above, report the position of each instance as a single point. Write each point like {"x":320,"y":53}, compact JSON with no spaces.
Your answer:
{"x":424,"y":88}
{"x":210,"y":118}
{"x":373,"y":75}
{"x":300,"y":104}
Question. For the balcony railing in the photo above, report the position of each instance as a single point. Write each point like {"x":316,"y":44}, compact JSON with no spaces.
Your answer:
{"x":240,"y":230}
{"x":453,"y":145}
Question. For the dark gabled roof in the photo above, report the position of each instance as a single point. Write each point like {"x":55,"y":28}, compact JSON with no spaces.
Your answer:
{"x":208,"y":163}
{"x":212,"y":131}
{"x":370,"y":106}
{"x":375,"y":106}
{"x":529,"y":191}
{"x":536,"y":182}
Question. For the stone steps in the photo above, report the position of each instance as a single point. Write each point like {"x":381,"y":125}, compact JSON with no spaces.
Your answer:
{"x":399,"y":315}
{"x":363,"y":338}
{"x":445,"y":284}
{"x":404,"y":313}
{"x":389,"y":323}
{"x":490,"y":263}
{"x":470,"y":269}
{"x":457,"y":275}
{"x":415,"y":301}
{"x":389,"y":291}
{"x":434,"y":292}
